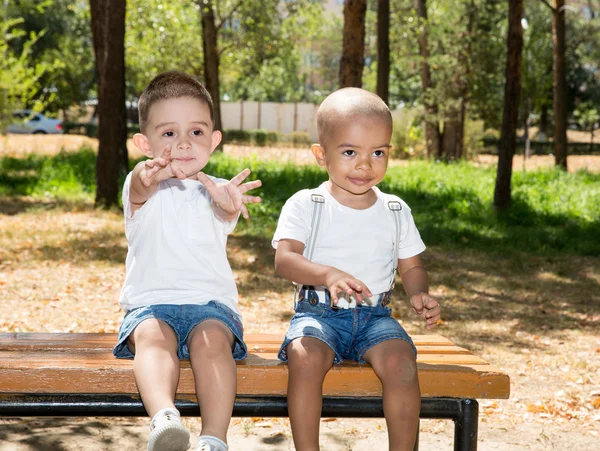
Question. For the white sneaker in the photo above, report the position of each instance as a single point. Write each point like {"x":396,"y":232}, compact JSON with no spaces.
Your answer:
{"x":167,"y":433}
{"x":210,"y":443}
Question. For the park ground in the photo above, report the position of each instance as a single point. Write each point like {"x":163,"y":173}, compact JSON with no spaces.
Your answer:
{"x":536,"y":318}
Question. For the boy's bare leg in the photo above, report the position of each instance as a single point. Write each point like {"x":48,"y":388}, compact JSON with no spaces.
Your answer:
{"x":394,"y":363}
{"x":309,"y":359}
{"x":156,"y":365}
{"x":210,"y":344}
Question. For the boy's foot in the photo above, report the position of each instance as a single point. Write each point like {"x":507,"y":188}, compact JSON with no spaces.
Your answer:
{"x":167,"y":432}
{"x":210,"y":443}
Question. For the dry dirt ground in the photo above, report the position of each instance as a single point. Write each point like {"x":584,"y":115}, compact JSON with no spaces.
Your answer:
{"x":61,"y":269}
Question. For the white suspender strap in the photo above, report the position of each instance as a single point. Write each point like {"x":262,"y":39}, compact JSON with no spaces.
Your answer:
{"x":318,"y":201}
{"x":395,"y":207}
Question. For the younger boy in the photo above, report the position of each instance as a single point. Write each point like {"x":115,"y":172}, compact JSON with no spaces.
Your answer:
{"x":340,"y":244}
{"x":179,"y":292}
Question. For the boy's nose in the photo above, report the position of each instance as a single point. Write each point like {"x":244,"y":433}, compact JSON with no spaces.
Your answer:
{"x":363,"y":163}
{"x":184,"y":144}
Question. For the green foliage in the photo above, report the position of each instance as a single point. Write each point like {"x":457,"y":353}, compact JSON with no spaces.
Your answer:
{"x":63,"y":48}
{"x":553,"y":212}
{"x":407,"y":141}
{"x":66,"y":176}
{"x":161,"y":36}
{"x":19,"y":77}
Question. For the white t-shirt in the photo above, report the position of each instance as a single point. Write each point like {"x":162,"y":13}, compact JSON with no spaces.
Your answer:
{"x":359,"y":242}
{"x":177,"y":249}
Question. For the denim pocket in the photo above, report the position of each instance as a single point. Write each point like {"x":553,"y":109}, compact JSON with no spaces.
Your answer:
{"x":304,"y":306}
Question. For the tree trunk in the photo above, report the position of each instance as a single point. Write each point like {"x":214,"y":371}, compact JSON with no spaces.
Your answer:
{"x":510,"y":116}
{"x":432,"y":127}
{"x":559,"y":85}
{"x":108,"y":30}
{"x":452,"y":137}
{"x":211,"y":57}
{"x":383,"y":49}
{"x":543,"y":124}
{"x":353,"y":48}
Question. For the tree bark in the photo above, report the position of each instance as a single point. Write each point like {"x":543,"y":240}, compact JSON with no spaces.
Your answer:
{"x":432,"y":127}
{"x":211,"y":57}
{"x":383,"y":49}
{"x":544,"y":122}
{"x":108,"y":30}
{"x":452,"y":138}
{"x":510,"y":116}
{"x":559,"y":85}
{"x":353,"y":47}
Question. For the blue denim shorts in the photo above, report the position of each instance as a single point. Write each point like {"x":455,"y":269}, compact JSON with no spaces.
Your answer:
{"x":182,"y":319}
{"x":348,"y":332}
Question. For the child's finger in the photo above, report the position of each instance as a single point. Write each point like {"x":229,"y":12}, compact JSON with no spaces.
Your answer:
{"x":240,"y":177}
{"x":360,"y":288}
{"x":166,"y":153}
{"x":250,"y":185}
{"x":178,"y":172}
{"x":205,"y":180}
{"x":417,"y":304}
{"x":244,"y":212}
{"x":251,"y":199}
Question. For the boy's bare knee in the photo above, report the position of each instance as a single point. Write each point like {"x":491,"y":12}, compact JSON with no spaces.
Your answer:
{"x":210,"y":337}
{"x":309,"y":356}
{"x":395,"y":363}
{"x":152,"y":333}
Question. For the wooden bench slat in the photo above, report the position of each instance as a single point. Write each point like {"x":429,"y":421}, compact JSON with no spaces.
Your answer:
{"x":82,"y":340}
{"x":12,"y":360}
{"x":462,"y":381}
{"x":83,"y":363}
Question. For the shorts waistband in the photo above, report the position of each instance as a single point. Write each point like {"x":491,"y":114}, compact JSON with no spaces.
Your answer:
{"x":322,"y":296}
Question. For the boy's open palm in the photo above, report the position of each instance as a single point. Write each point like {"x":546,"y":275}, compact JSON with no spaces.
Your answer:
{"x":230,"y":197}
{"x":158,"y":169}
{"x":338,"y":281}
{"x":426,"y":307}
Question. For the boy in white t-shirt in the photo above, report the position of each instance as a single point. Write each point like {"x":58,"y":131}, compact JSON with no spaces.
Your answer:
{"x":341,"y":244}
{"x":179,"y":293}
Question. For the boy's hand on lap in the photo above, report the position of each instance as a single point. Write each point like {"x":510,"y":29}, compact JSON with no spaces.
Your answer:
{"x":158,"y":169}
{"x":338,"y":281}
{"x":230,"y":197}
{"x":426,"y":307}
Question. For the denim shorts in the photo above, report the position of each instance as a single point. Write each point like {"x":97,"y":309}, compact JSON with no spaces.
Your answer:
{"x":182,"y":319}
{"x":348,"y":332}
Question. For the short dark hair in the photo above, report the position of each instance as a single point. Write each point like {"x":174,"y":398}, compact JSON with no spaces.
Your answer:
{"x":172,"y":85}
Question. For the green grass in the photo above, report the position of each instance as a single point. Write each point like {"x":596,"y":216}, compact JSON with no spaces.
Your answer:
{"x":552,"y":212}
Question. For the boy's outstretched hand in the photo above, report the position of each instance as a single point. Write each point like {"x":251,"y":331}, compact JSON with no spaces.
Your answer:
{"x":426,"y":307}
{"x":160,"y":168}
{"x":229,"y":198}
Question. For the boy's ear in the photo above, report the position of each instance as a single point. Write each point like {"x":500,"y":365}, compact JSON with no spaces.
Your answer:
{"x":319,"y":154}
{"x":217,"y":136}
{"x":142,"y":143}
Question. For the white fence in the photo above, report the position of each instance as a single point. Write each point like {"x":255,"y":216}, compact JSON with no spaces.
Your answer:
{"x":281,"y":117}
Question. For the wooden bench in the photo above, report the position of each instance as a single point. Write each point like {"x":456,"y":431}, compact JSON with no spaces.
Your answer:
{"x":53,"y":374}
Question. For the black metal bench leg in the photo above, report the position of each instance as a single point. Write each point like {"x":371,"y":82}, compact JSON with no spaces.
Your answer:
{"x":465,"y":426}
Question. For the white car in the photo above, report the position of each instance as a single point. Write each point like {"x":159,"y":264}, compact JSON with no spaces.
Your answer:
{"x":26,"y":121}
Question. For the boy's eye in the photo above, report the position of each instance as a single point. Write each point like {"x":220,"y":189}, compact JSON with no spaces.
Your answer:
{"x":379,"y":153}
{"x":168,"y":134}
{"x":197,"y":132}
{"x":349,"y":153}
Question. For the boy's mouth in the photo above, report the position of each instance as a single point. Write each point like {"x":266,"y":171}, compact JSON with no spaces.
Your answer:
{"x":183,"y":159}
{"x":359,"y":181}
